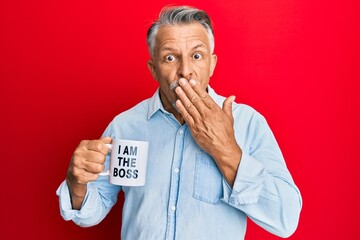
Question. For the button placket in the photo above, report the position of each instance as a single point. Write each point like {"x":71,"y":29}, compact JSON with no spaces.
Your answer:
{"x":174,"y":185}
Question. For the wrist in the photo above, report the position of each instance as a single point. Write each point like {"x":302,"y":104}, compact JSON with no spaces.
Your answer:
{"x":76,"y":189}
{"x":228,"y":156}
{"x":228,"y":162}
{"x":77,"y":193}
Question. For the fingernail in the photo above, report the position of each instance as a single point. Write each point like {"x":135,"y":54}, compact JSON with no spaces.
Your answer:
{"x":182,"y":81}
{"x":192,"y":82}
{"x":178,"y":90}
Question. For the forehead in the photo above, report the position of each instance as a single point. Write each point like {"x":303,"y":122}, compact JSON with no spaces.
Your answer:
{"x":181,"y":34}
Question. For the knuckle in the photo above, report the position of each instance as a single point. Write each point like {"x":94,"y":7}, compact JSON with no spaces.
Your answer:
{"x":91,"y":144}
{"x":100,"y":147}
{"x":102,"y":159}
{"x":204,"y":95}
{"x":187,"y":116}
{"x":194,"y":99}
{"x":210,"y":105}
{"x":75,"y":172}
{"x":77,"y":153}
{"x":100,"y":168}
{"x":77,"y":164}
{"x":83,"y":142}
{"x":77,"y":156}
{"x":96,"y":145}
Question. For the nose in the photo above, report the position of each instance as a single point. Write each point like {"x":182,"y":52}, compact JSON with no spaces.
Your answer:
{"x":185,"y":69}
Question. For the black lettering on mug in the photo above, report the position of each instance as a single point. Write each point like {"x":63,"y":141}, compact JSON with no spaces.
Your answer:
{"x":121,"y":172}
{"x":133,"y":162}
{"x":127,"y":162}
{"x":132,"y":150}
{"x":136,"y":174}
{"x":119,"y":150}
{"x":129,"y":173}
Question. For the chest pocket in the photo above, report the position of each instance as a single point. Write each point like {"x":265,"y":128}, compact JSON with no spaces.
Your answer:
{"x":207,"y":179}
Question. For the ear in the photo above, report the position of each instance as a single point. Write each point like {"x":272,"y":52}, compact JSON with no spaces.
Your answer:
{"x":152,"y":68}
{"x":213,"y":61}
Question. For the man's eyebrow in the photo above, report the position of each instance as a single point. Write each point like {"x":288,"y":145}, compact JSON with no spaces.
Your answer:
{"x":200,"y":45}
{"x":170,"y":49}
{"x":167,"y":49}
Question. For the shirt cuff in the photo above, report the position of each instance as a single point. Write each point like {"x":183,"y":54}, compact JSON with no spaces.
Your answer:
{"x":248,"y":182}
{"x":66,"y":210}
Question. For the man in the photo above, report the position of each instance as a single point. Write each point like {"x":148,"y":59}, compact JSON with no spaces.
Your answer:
{"x":212,"y":163}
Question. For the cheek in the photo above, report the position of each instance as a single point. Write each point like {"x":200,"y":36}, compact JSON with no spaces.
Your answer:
{"x":167,"y":74}
{"x":203,"y":66}
{"x":203,"y":71}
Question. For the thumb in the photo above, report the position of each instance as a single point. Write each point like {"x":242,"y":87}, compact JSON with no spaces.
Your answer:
{"x":106,"y":139}
{"x":227,"y":105}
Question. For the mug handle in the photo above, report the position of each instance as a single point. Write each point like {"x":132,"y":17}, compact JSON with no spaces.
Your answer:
{"x":106,"y":173}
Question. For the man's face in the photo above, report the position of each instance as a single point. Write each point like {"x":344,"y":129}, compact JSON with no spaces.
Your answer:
{"x":181,"y":51}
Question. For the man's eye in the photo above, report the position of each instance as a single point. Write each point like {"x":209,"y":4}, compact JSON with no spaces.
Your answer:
{"x":169,"y":58}
{"x":197,"y":56}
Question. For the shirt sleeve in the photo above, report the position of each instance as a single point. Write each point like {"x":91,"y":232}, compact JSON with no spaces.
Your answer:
{"x":100,"y":197}
{"x":264,"y":189}
{"x":95,"y":207}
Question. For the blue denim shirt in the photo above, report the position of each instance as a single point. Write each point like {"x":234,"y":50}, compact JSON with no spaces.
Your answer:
{"x":185,"y":195}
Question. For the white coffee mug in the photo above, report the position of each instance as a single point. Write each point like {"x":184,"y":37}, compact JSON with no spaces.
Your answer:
{"x":128,"y":162}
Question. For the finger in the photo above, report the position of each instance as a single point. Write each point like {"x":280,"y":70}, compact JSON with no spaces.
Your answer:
{"x":184,"y":113}
{"x":204,"y":96}
{"x":106,"y":140}
{"x":92,"y":164}
{"x":82,"y":156}
{"x":227,"y":106}
{"x":194,"y":98}
{"x":95,"y":157}
{"x":84,"y":177}
{"x":98,"y":146}
{"x":93,"y":167}
{"x":90,"y":177}
{"x":187,"y":106}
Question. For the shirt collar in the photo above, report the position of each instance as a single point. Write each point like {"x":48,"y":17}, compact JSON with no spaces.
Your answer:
{"x":155,"y":103}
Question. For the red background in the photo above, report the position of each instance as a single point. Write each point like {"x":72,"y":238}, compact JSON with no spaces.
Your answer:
{"x":68,"y":67}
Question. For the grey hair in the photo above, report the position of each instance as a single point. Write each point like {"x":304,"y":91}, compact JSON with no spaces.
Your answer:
{"x":180,"y":16}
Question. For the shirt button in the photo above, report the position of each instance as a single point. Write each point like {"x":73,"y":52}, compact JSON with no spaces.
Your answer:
{"x":173,"y":208}
{"x":176,"y":170}
{"x":181,"y":132}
